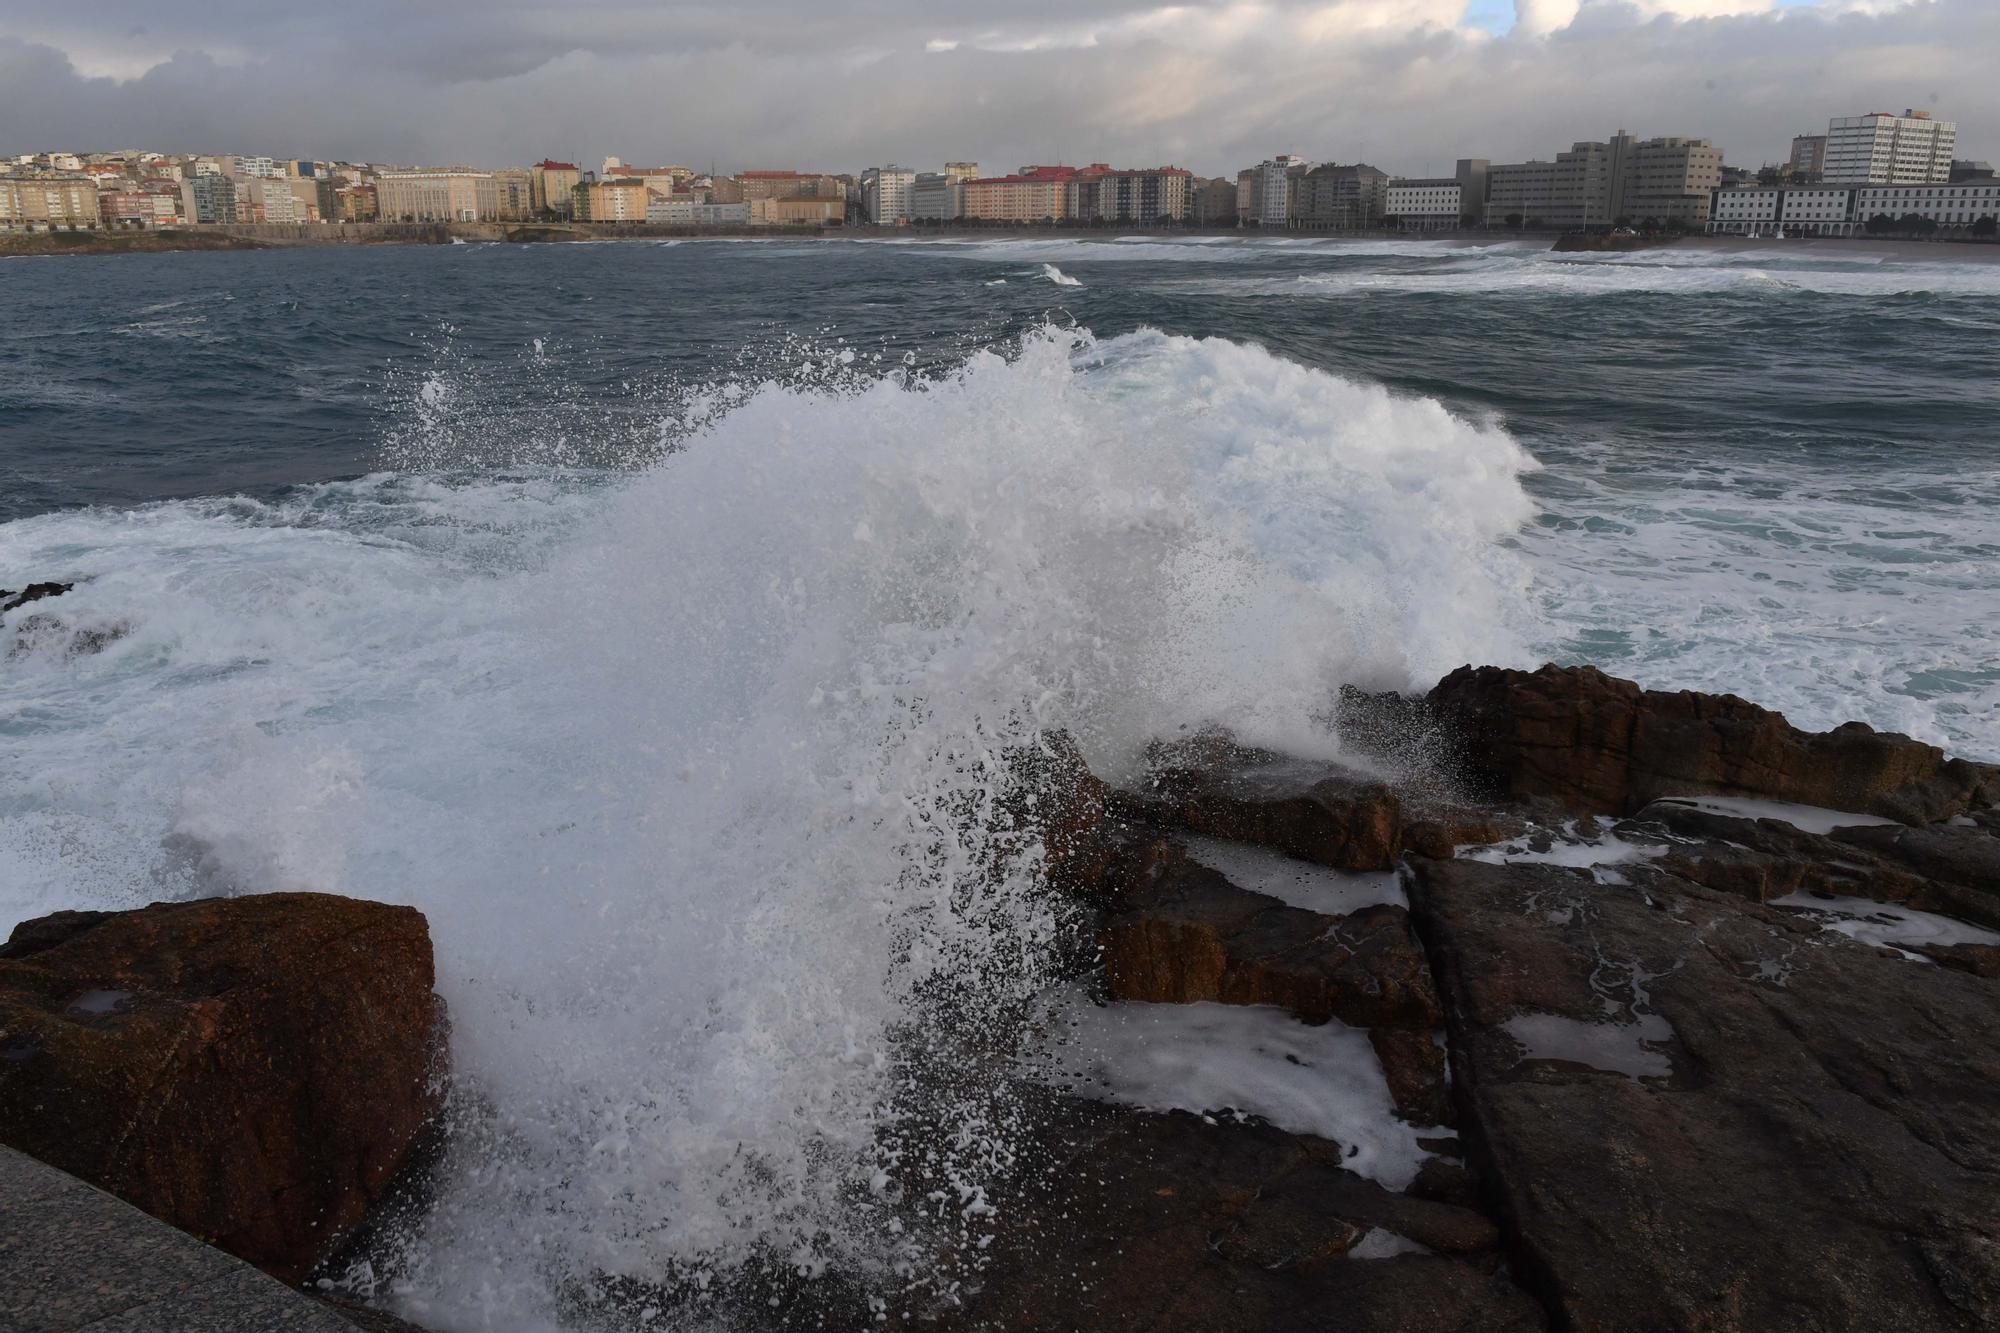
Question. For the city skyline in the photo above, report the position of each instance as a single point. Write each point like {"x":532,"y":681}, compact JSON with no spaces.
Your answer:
{"x":1204,"y":87}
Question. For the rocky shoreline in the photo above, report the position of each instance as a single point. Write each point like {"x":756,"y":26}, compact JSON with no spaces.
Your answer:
{"x":1690,"y":1014}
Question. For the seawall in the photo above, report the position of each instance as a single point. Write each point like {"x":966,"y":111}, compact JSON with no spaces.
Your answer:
{"x":73,"y":1258}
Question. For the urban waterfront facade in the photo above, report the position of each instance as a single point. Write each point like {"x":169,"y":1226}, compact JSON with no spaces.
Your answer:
{"x":1663,"y":182}
{"x":1831,"y":210}
{"x":1879,"y":171}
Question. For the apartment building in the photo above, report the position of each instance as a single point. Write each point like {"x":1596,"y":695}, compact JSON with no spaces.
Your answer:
{"x":244,"y":168}
{"x":1659,"y":182}
{"x":209,"y":197}
{"x":936,"y":196}
{"x":1098,"y":193}
{"x":752,"y":185}
{"x":154,"y":204}
{"x":279,"y":199}
{"x":1571,"y":192}
{"x":621,"y":199}
{"x":49,"y":203}
{"x":1808,"y":160}
{"x":1331,"y":197}
{"x":1033,"y":194}
{"x":353,"y":203}
{"x":513,"y":194}
{"x":886,"y":194}
{"x":1665,"y":182}
{"x":1272,"y":183}
{"x":1832,"y":210}
{"x":1881,"y":149}
{"x":551,"y":186}
{"x":1215,"y":202}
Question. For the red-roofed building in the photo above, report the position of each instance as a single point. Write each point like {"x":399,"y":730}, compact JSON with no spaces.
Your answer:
{"x":552,"y":186}
{"x":1032,"y":194}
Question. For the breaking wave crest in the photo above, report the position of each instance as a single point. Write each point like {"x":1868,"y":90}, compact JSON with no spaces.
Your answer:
{"x":703,"y":771}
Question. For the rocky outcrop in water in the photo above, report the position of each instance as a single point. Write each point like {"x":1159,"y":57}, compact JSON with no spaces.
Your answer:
{"x":11,"y":600}
{"x":1707,"y":1068}
{"x":1595,"y":744}
{"x":252,"y":1070}
{"x":42,"y":631}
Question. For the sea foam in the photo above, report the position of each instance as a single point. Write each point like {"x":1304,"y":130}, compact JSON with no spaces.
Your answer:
{"x":697,"y":770}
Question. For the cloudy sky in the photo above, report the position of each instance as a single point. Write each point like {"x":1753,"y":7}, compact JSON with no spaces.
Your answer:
{"x":842,"y":84}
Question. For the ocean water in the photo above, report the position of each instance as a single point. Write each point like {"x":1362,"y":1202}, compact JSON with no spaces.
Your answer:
{"x":663,"y":619}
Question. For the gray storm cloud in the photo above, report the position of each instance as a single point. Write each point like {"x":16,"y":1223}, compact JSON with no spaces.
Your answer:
{"x":1408,"y":84}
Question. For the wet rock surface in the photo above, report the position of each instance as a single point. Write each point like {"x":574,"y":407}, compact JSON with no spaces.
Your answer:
{"x":1184,"y":934}
{"x":251,"y":1070}
{"x":1174,"y":1221}
{"x":1686,"y":1097}
{"x":1715,"y":1113}
{"x":1597,"y":744}
{"x":1188,"y":934}
{"x":1319,"y":812}
{"x":10,"y":599}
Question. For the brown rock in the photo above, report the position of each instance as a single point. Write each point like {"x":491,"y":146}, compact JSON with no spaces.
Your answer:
{"x":251,"y":1070}
{"x":1437,"y":829}
{"x":1188,"y":935}
{"x":1968,"y":857}
{"x":1051,"y":797}
{"x":1601,"y":745}
{"x":1810,"y":1146}
{"x":1316,"y":811}
{"x":1191,"y":935}
{"x":1946,"y":870}
{"x":1154,"y":1222}
{"x":1413,"y":1062}
{"x":1982,"y":960}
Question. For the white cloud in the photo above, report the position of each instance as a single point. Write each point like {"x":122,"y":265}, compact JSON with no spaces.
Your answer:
{"x":1212,"y":85}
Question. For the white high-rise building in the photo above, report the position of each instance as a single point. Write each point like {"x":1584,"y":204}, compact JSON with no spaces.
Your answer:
{"x":1881,"y":149}
{"x":1274,"y":188}
{"x":886,"y":194}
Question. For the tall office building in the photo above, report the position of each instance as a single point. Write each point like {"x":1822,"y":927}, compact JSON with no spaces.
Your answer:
{"x":1881,"y":149}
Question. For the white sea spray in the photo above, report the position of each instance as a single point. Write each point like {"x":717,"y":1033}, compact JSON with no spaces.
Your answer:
{"x":700,"y":768}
